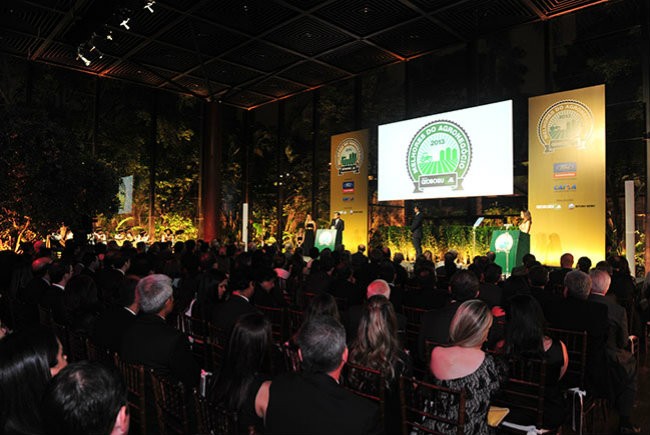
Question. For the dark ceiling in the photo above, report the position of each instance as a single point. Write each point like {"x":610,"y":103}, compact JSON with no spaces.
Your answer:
{"x":250,"y":52}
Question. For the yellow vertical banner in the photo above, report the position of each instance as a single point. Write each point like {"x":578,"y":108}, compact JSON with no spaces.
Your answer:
{"x":566,"y":174}
{"x":349,"y":185}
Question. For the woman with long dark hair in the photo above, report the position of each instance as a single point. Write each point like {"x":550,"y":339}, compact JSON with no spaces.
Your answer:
{"x":211,"y":291}
{"x":526,"y":337}
{"x":378,"y":347}
{"x":247,"y":365}
{"x":28,"y":360}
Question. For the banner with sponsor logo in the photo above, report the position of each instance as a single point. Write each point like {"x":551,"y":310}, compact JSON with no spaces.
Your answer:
{"x":349,"y":185}
{"x":566,"y":178}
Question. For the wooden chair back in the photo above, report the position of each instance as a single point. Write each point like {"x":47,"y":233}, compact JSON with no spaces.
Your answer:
{"x":196,"y":331}
{"x":413,"y":325}
{"x":292,"y":361}
{"x":276,"y":316}
{"x":576,"y":346}
{"x":524,"y":388}
{"x":431,"y":409}
{"x":295,"y":318}
{"x":365,"y":382}
{"x":214,"y":419}
{"x":134,"y":378}
{"x":216,"y":355}
{"x":171,"y":405}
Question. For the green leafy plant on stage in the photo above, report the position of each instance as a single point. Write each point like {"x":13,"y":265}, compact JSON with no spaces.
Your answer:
{"x":437,"y":238}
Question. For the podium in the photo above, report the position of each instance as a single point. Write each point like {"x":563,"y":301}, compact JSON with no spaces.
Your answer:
{"x":325,"y":238}
{"x":510,"y":247}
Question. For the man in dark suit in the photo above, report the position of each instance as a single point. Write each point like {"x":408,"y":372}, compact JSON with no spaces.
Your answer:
{"x":556,"y":277}
{"x":416,"y":230}
{"x":225,"y":315}
{"x":339,"y":225}
{"x":39,"y":284}
{"x":113,"y":323}
{"x":313,"y":402}
{"x":60,"y":273}
{"x":266,"y":294}
{"x":621,"y":360}
{"x":110,"y":279}
{"x":464,"y":286}
{"x":152,"y":342}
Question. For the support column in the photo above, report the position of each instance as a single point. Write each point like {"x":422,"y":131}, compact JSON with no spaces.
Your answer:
{"x":211,"y":161}
{"x":153,"y":165}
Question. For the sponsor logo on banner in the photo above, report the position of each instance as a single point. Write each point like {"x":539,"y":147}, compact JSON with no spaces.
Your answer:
{"x":565,"y":188}
{"x":567,"y":123}
{"x":348,"y":198}
{"x":439,"y":155}
{"x":349,"y":156}
{"x":565,"y":170}
{"x":548,"y":206}
{"x":348,"y":186}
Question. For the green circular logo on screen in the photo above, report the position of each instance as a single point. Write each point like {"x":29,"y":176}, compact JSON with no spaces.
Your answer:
{"x":439,"y":155}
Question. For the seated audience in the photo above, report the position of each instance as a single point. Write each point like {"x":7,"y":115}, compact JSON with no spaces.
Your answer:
{"x":464,"y":366}
{"x":353,"y":315}
{"x":60,"y":273}
{"x":81,"y":304}
{"x":28,"y":361}
{"x":152,"y":342}
{"x":623,"y":364}
{"x":556,"y":277}
{"x":247,"y":365}
{"x":211,"y":291}
{"x":377,"y":347}
{"x":313,"y":402}
{"x":464,"y":286}
{"x":239,"y":303}
{"x":526,"y":338}
{"x":489,"y":291}
{"x":86,"y":398}
{"x":113,"y":323}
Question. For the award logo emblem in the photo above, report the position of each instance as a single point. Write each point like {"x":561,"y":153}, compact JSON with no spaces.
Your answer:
{"x":439,"y":155}
{"x":349,"y":156}
{"x":564,"y":124}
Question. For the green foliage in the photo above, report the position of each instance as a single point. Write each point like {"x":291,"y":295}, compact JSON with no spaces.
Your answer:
{"x":177,"y":222}
{"x":47,"y":177}
{"x":437,"y":238}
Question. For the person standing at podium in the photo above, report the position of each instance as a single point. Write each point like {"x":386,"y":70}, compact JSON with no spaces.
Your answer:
{"x":526,"y":221}
{"x":310,"y":234}
{"x":339,"y":225}
{"x":416,"y":230}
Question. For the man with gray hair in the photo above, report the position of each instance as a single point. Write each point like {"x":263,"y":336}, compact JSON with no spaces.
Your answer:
{"x":152,"y":342}
{"x":576,"y":313}
{"x":623,"y":367}
{"x":314,"y":402}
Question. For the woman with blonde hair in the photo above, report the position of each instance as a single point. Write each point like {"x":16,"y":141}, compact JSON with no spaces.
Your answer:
{"x":378,"y":347}
{"x":464,"y":366}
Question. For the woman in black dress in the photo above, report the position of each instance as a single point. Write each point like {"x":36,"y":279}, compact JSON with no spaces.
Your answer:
{"x":310,"y":234}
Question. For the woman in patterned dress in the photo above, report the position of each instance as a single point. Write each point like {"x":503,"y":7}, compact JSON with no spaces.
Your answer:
{"x":464,"y":366}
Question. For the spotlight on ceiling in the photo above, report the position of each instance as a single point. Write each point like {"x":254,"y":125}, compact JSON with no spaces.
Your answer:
{"x":149,"y":5}
{"x":81,"y":57}
{"x":125,"y":24}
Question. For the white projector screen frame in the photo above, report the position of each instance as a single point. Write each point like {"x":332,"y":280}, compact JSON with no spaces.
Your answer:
{"x":455,"y":154}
